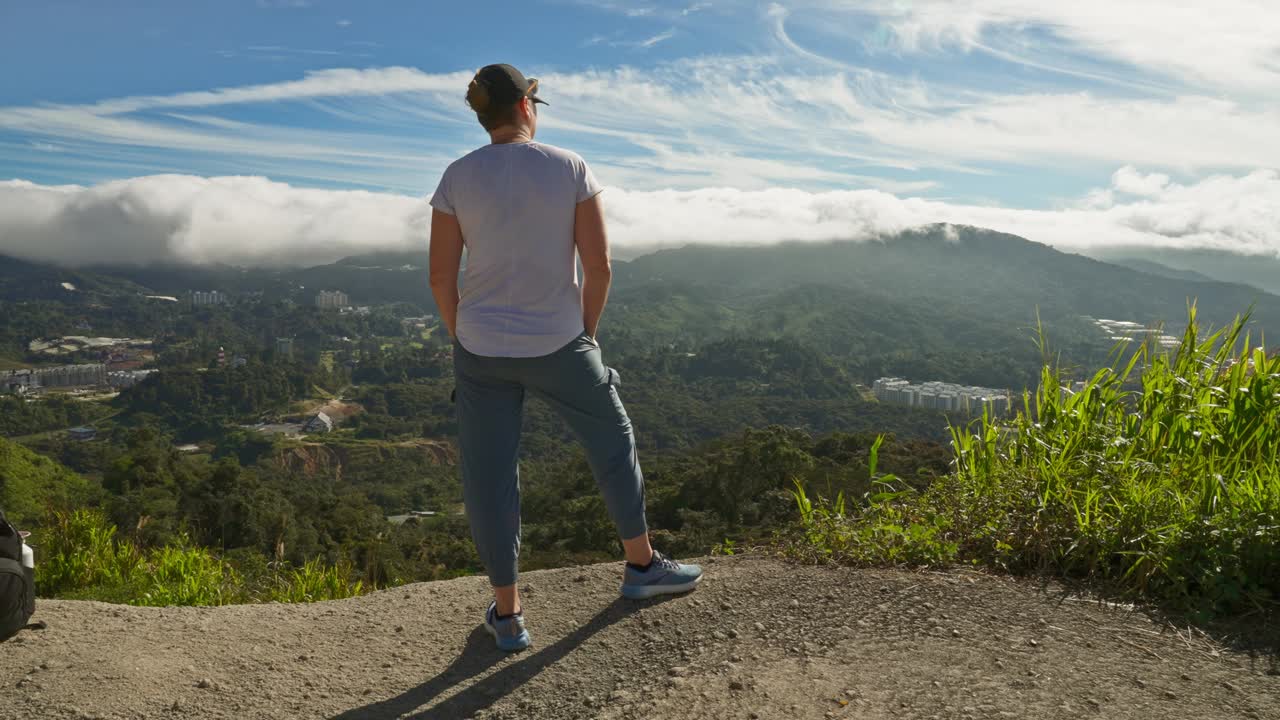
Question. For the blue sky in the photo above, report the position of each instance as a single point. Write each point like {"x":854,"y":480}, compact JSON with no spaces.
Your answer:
{"x":932,"y":109}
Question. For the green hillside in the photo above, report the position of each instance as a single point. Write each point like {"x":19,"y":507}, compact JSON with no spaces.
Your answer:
{"x":32,"y":484}
{"x":980,"y":274}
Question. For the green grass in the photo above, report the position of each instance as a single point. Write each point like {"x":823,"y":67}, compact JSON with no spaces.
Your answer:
{"x":1160,"y":479}
{"x":80,"y":555}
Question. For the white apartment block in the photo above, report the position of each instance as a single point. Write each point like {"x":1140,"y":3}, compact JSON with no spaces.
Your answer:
{"x":210,"y":297}
{"x":947,"y":397}
{"x":332,"y":300}
{"x":62,"y":376}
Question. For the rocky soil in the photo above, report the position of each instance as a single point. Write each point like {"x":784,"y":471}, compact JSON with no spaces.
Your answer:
{"x":759,"y":639}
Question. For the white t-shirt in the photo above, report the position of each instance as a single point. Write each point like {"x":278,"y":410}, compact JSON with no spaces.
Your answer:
{"x":515,"y":203}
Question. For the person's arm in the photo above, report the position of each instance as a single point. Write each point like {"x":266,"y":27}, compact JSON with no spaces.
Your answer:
{"x":597,"y":269}
{"x":446,"y":258}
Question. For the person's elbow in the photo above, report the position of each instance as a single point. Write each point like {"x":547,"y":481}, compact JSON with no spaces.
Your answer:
{"x":599,"y":270}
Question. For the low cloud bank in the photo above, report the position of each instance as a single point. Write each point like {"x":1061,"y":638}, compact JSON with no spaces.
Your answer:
{"x":255,"y":221}
{"x":189,"y":219}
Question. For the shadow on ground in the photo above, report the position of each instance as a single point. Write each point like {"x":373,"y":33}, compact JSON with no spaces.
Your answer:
{"x":478,"y":656}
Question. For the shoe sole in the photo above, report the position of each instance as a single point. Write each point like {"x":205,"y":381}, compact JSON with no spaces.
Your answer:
{"x":494,"y":632}
{"x":644,"y":592}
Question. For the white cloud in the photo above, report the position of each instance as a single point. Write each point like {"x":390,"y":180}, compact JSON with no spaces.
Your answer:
{"x":1227,"y":44}
{"x":344,"y":23}
{"x":682,"y":125}
{"x":242,"y":220}
{"x":251,"y":220}
{"x":1235,"y":214}
{"x":1128,"y":180}
{"x":660,"y":37}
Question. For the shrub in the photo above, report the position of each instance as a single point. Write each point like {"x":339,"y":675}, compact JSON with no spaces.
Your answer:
{"x":82,"y":557}
{"x":1159,"y":478}
{"x":79,"y":550}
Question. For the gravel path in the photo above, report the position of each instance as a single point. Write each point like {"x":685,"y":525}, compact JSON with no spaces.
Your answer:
{"x":760,"y":639}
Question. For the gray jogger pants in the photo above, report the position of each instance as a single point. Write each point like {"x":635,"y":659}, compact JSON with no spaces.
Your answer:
{"x":490,"y":404}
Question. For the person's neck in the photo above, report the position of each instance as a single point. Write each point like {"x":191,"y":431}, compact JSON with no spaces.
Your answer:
{"x":509,"y":135}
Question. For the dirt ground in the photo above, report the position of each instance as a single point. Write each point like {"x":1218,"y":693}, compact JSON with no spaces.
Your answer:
{"x":759,"y":639}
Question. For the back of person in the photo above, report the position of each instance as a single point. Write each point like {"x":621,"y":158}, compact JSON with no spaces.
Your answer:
{"x":522,"y":324}
{"x":516,"y":201}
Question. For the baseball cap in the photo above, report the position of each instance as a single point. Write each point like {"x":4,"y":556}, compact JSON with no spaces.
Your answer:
{"x":507,"y":85}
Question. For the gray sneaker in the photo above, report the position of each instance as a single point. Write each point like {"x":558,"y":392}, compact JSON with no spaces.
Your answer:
{"x":509,"y":633}
{"x":664,"y":577}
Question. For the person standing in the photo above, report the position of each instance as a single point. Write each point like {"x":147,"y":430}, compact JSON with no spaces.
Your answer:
{"x":525,"y":212}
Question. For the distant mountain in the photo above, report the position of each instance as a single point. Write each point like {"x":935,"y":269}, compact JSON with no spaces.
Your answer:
{"x":1155,"y":268}
{"x":24,"y":280}
{"x":977,"y":273}
{"x":417,"y":258}
{"x":373,"y":278}
{"x":174,"y":279}
{"x":1259,"y":271}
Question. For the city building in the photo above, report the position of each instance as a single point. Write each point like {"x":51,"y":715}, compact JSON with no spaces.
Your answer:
{"x":332,"y":300}
{"x":19,"y":382}
{"x":208,"y":297}
{"x":127,"y":378}
{"x":284,"y":347}
{"x":947,"y":397}
{"x":319,"y":423}
{"x":71,"y":375}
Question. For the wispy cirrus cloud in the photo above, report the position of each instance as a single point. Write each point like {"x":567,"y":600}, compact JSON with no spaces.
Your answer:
{"x":655,"y":39}
{"x":615,"y":39}
{"x":1232,"y":44}
{"x":739,"y":122}
{"x":945,"y":101}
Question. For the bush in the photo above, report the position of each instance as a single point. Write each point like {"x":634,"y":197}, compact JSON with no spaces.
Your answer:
{"x":313,"y":582}
{"x":78,"y":550}
{"x":1159,"y":478}
{"x":82,"y":557}
{"x":188,"y":576}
